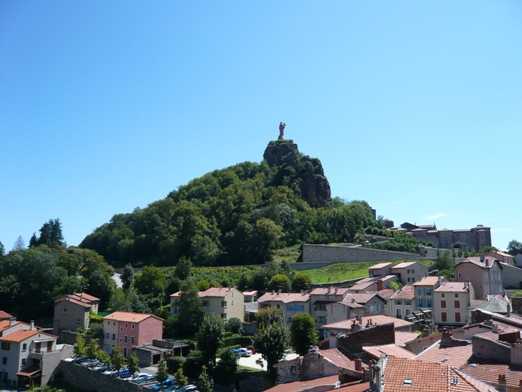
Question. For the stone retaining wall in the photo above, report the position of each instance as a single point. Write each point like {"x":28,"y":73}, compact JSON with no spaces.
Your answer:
{"x":87,"y":380}
{"x":342,"y":254}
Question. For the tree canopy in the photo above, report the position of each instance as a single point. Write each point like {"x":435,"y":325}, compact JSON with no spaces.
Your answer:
{"x":237,"y":215}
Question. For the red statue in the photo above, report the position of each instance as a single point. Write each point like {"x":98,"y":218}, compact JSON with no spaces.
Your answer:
{"x":282,"y":126}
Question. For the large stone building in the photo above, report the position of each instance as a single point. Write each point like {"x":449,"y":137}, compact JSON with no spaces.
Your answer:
{"x":467,"y":239}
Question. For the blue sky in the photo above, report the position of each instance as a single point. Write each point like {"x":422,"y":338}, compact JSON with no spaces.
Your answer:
{"x":105,"y":106}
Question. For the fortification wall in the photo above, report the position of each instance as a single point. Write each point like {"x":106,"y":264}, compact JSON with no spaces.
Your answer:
{"x":345,"y":254}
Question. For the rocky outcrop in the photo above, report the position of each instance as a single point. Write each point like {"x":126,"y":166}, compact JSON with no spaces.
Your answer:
{"x":312,"y":185}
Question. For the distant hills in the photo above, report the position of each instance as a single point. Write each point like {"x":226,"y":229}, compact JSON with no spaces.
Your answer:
{"x":233,"y":216}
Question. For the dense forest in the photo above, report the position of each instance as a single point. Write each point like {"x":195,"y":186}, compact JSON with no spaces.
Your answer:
{"x":234,"y":216}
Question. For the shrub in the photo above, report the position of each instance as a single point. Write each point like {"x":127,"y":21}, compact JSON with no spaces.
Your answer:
{"x":174,"y":363}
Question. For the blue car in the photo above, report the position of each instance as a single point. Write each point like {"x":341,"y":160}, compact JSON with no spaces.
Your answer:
{"x":168,"y":382}
{"x":125,"y":373}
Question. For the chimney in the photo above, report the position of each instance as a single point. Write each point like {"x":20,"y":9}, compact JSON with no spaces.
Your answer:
{"x":328,"y":290}
{"x":520,"y":386}
{"x":12,"y":321}
{"x":508,"y":309}
{"x":358,"y":364}
{"x":495,"y":328}
{"x":502,"y":384}
{"x":32,"y":325}
{"x":440,"y":280}
{"x":487,"y":262}
{"x":356,"y":327}
{"x":420,"y":278}
{"x":380,"y":285}
{"x":446,"y":339}
{"x":278,"y":291}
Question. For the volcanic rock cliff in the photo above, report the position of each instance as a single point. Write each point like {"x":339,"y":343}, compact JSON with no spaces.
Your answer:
{"x":312,"y":184}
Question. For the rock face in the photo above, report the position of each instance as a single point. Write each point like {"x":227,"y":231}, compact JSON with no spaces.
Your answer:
{"x":312,"y":184}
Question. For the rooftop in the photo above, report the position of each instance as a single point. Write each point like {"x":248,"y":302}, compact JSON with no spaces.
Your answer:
{"x":284,"y":297}
{"x":376,"y":320}
{"x":130,"y":317}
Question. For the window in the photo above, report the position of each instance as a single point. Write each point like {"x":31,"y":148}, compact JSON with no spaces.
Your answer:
{"x":398,"y":302}
{"x":223,"y":304}
{"x":407,"y":302}
{"x":126,"y":325}
{"x":114,"y":323}
{"x":456,"y":295}
{"x":125,"y":338}
{"x":443,"y":295}
{"x":408,"y":312}
{"x":288,"y":320}
{"x":24,"y":347}
{"x":322,"y":319}
{"x":6,"y":346}
{"x":419,"y":303}
{"x":444,"y":316}
{"x":442,"y":304}
{"x":49,"y":345}
{"x":121,"y":329}
{"x":457,"y":317}
{"x":429,"y":304}
{"x":428,"y":291}
{"x":4,"y":361}
{"x":108,"y":336}
{"x":23,"y":361}
{"x":289,"y":307}
{"x":419,"y":292}
{"x":205,"y":303}
{"x":398,"y":312}
{"x":108,"y":323}
{"x":293,"y":370}
{"x":65,"y":310}
{"x":113,"y":336}
{"x":457,"y":304}
{"x":132,"y":339}
{"x":132,"y":325}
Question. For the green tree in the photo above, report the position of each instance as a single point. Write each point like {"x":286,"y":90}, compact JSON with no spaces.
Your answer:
{"x":444,"y":261}
{"x":180,"y":377}
{"x":79,"y":346}
{"x":117,"y":358}
{"x":234,"y":325}
{"x":162,"y":373}
{"x":302,"y":333}
{"x":151,"y":281}
{"x":514,"y":247}
{"x":301,"y":281}
{"x":266,"y":235}
{"x":183,"y":268}
{"x":133,"y":363}
{"x":93,"y":349}
{"x":226,"y":366}
{"x":189,"y":307}
{"x":210,"y":337}
{"x":280,"y":282}
{"x":205,"y":383}
{"x":271,"y":338}
{"x":127,"y":277}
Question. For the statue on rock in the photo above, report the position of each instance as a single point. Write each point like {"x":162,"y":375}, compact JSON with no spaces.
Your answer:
{"x":282,"y":126}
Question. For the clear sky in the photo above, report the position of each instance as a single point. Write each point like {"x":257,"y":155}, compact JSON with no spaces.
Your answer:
{"x":413,"y":106}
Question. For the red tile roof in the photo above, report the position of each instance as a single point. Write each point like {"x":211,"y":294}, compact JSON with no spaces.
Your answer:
{"x":130,"y":317}
{"x":5,"y":315}
{"x":446,"y":287}
{"x":429,"y":281}
{"x":389,"y":349}
{"x":284,"y":297}
{"x":329,"y":291}
{"x":298,"y":386}
{"x":337,"y":358}
{"x":407,"y":292}
{"x":381,"y":265}
{"x":452,"y":355}
{"x":489,"y":373}
{"x":19,"y":336}
{"x":376,"y":319}
{"x":219,"y":292}
{"x":401,"y":337}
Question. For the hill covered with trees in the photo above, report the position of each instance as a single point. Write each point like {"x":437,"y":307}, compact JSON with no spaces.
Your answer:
{"x":233,"y":216}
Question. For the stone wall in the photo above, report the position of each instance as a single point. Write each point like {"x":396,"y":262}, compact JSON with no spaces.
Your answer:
{"x":87,"y":380}
{"x":341,"y":254}
{"x":495,"y":350}
{"x":516,"y":304}
{"x":374,"y":336}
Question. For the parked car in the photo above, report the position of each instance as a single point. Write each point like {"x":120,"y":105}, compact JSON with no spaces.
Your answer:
{"x":101,"y":367}
{"x":252,"y":348}
{"x":146,"y":379}
{"x":168,"y":382}
{"x":244,"y":352}
{"x":125,"y":373}
{"x":136,"y":376}
{"x":188,"y":388}
{"x":110,"y":371}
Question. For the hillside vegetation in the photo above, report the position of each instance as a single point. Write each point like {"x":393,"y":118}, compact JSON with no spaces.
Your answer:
{"x":234,"y":216}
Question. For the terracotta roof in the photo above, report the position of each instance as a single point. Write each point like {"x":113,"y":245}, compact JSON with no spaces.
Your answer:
{"x":363,"y":285}
{"x":284,"y":297}
{"x":488,"y":372}
{"x":376,"y":319}
{"x":176,"y":294}
{"x":5,"y":315}
{"x":452,"y":355}
{"x":402,"y":337}
{"x":87,"y":296}
{"x":380,"y":265}
{"x":471,"y":260}
{"x":386,"y":294}
{"x":298,"y":386}
{"x":73,"y":300}
{"x":329,"y":290}
{"x":446,"y":287}
{"x":389,"y":349}
{"x":467,"y":383}
{"x":337,"y":358}
{"x":220,"y":292}
{"x":19,"y":336}
{"x":429,"y":281}
{"x":407,"y":292}
{"x":249,"y":292}
{"x":404,"y":265}
{"x":130,"y":317}
{"x":359,"y":298}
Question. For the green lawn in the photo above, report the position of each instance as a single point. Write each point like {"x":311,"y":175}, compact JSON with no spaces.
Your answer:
{"x":346,"y":271}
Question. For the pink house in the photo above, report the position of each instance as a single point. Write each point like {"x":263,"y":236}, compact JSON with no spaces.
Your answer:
{"x":129,"y":329}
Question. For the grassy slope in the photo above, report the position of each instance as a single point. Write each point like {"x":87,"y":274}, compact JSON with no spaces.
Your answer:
{"x":346,"y":271}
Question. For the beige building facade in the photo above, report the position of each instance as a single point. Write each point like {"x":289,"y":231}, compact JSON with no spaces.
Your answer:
{"x":290,"y":303}
{"x":451,"y":300}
